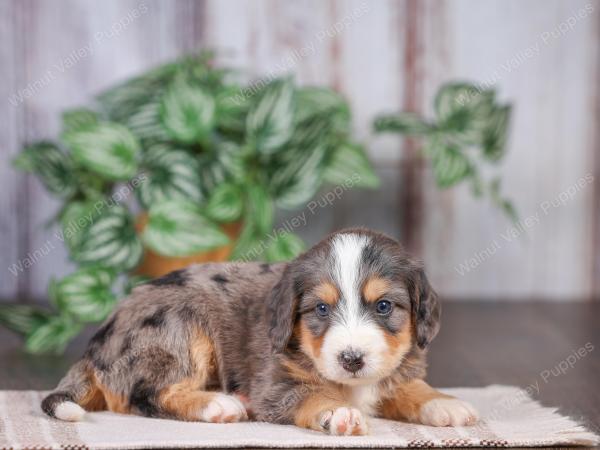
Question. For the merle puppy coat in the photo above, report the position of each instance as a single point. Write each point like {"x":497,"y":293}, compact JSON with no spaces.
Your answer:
{"x":323,"y":342}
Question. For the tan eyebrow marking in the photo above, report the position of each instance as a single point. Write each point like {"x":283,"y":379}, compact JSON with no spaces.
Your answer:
{"x":327,"y":292}
{"x":374,"y":288}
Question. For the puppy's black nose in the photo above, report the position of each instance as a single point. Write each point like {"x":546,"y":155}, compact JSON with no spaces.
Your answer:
{"x":351,"y":360}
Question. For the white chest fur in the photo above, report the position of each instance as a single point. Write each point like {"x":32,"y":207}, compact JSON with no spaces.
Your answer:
{"x":365,"y":398}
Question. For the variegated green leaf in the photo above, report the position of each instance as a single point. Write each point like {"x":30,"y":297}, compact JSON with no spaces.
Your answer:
{"x":405,"y":122}
{"x":270,"y":122}
{"x":284,"y":247}
{"x":349,"y":165}
{"x":22,"y":319}
{"x":146,"y":123}
{"x":170,"y":175}
{"x":260,"y":208}
{"x":449,"y":165}
{"x":455,"y":97}
{"x":52,"y":336}
{"x":178,"y":228}
{"x":75,"y":218}
{"x":124,"y":100}
{"x":51,"y":165}
{"x":188,"y":112}
{"x":78,"y":119}
{"x":464,"y":110}
{"x":230,"y":157}
{"x":298,"y":181}
{"x":231,"y":110}
{"x":226,"y":203}
{"x":110,"y":241}
{"x":86,"y":294}
{"x":249,"y":245}
{"x":108,"y":149}
{"x":499,"y":200}
{"x":309,"y":135}
{"x":496,"y":133}
{"x":323,"y":104}
{"x":212,"y":173}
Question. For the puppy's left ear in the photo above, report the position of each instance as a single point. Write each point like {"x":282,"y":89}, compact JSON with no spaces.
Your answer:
{"x":281,"y":311}
{"x":426,"y":309}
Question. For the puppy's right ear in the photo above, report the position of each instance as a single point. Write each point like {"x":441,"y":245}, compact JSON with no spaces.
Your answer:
{"x":281,"y":310}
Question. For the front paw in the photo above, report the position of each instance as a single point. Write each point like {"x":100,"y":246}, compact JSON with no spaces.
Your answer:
{"x":344,"y":422}
{"x":444,"y":412}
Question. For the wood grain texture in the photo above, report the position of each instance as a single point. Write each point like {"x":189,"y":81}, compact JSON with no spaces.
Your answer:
{"x":12,"y":217}
{"x":549,"y":151}
{"x":383,"y":56}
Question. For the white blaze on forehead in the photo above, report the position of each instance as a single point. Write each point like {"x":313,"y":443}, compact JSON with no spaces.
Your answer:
{"x":347,"y":261}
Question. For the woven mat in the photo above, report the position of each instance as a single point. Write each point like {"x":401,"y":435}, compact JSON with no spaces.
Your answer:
{"x":510,"y":419}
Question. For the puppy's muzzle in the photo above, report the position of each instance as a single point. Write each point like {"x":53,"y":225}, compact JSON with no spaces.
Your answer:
{"x":351,"y":360}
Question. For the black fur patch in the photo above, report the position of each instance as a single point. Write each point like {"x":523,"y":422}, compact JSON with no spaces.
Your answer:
{"x":143,"y":398}
{"x":103,"y":333}
{"x":99,"y":363}
{"x":175,"y":278}
{"x":157,"y":319}
{"x":265,"y":268}
{"x":50,"y":403}
{"x":126,"y":343}
{"x":381,"y":261}
{"x":221,"y":279}
{"x":187,"y":313}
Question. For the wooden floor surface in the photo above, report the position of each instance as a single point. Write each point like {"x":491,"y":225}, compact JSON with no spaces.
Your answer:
{"x":533,"y":345}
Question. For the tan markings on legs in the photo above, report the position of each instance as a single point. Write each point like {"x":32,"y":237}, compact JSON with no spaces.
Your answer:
{"x":202,"y":356}
{"x":408,"y":400}
{"x":112,"y":401}
{"x":187,"y":401}
{"x":184,"y":400}
{"x":310,"y":412}
{"x":94,"y":398}
{"x":374,"y":288}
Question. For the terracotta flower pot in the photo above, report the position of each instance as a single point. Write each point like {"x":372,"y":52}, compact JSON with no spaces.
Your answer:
{"x":154,"y":265}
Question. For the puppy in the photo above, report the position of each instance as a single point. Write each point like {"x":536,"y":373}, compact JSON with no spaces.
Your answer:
{"x":323,"y":342}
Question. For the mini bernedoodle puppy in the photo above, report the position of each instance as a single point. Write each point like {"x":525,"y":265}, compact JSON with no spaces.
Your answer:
{"x":323,"y":342}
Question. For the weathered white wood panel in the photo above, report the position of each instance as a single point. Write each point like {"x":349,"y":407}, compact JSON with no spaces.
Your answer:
{"x":55,"y":58}
{"x":543,"y":59}
{"x":383,"y":56}
{"x":11,"y":217}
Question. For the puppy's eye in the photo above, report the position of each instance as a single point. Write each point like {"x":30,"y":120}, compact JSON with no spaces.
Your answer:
{"x":322,"y":310}
{"x":383,"y":307}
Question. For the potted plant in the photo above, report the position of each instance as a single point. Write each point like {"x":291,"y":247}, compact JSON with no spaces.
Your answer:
{"x":180,"y":164}
{"x":465,"y":139}
{"x":184,"y":164}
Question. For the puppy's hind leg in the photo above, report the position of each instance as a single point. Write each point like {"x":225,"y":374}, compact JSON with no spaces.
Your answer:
{"x":183,"y":401}
{"x":76,"y":391}
{"x":185,"y":398}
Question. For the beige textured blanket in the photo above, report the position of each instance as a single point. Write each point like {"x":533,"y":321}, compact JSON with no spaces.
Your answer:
{"x":510,"y":418}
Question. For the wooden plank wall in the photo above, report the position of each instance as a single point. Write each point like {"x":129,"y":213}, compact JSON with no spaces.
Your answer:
{"x":544,"y":56}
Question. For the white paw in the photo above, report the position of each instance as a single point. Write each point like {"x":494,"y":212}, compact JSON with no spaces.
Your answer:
{"x":222,"y":409}
{"x":444,"y":412}
{"x":345,"y":422}
{"x":69,"y":411}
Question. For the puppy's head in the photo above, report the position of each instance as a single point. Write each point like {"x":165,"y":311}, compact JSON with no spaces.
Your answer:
{"x":357,"y":305}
